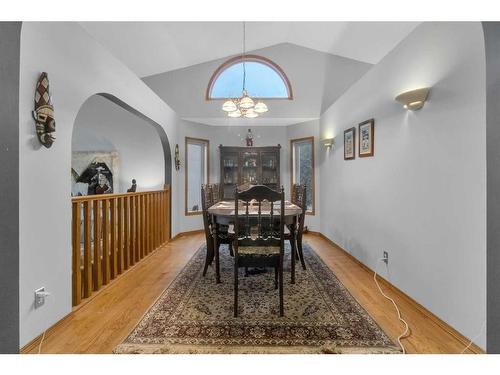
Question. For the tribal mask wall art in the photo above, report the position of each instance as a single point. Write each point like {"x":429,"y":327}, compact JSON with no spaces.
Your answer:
{"x":44,"y":112}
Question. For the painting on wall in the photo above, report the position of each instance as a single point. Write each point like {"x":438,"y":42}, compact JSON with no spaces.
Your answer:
{"x":366,"y":138}
{"x":94,"y":173}
{"x":349,"y":144}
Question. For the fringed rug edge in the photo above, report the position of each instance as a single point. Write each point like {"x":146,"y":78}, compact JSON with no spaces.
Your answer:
{"x":227,"y":349}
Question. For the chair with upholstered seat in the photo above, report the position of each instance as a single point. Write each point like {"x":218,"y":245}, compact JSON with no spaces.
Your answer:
{"x":259,"y":227}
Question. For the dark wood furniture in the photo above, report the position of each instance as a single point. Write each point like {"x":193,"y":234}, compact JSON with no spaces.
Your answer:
{"x":223,"y":213}
{"x":299,"y":199}
{"x":248,"y":165}
{"x":259,"y":239}
{"x":209,"y":197}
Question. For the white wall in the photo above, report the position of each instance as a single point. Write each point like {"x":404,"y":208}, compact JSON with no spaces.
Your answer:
{"x":308,"y":129}
{"x":102,"y":125}
{"x":78,"y":67}
{"x":227,"y":136}
{"x":422,"y":197}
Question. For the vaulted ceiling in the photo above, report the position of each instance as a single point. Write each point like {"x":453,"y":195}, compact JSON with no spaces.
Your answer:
{"x":154,"y":47}
{"x":321,"y":59}
{"x":317,"y":80}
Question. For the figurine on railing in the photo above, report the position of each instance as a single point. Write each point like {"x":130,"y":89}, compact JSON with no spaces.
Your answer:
{"x":133,"y":188}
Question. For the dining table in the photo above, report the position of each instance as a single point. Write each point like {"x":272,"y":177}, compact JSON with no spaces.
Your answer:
{"x":223,"y":214}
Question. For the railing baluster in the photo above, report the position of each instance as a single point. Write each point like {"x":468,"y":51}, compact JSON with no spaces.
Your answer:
{"x":164,"y":216}
{"x":132,"y":230}
{"x":87,"y":257}
{"x":114,"y":267}
{"x":137,"y":229}
{"x":106,"y":232}
{"x":154,"y":220}
{"x":168,"y":213}
{"x":126,"y":222}
{"x":119,"y":227}
{"x":77,"y":255}
{"x":143,"y":225}
{"x":96,"y":264}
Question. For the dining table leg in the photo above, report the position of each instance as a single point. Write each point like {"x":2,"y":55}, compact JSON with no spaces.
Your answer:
{"x":216,"y":252}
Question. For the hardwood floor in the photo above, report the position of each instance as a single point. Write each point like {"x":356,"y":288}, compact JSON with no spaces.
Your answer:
{"x":102,"y":323}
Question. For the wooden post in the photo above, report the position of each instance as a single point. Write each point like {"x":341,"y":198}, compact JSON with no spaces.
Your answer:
{"x":87,"y":257}
{"x":96,"y":264}
{"x":106,"y":233}
{"x":137,"y":229}
{"x":114,"y":267}
{"x":126,"y":222}
{"x":76,"y":275}
{"x":119,"y":227}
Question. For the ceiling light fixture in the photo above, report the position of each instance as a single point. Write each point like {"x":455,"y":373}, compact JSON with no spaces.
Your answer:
{"x":244,"y":106}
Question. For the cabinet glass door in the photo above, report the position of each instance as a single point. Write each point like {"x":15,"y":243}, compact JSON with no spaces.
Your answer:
{"x":250,"y":168}
{"x":229,"y":174}
{"x":270,"y":169}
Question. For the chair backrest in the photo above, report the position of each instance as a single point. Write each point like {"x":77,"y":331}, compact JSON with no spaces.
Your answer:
{"x":258,"y":210}
{"x":206,"y":203}
{"x":216,"y":194}
{"x":299,"y":198}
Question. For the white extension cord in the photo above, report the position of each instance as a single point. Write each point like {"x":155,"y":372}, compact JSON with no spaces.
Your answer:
{"x":396,"y":306}
{"x":41,"y":342}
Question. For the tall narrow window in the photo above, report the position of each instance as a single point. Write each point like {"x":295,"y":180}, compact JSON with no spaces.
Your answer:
{"x":197,"y":169}
{"x":302,"y":165}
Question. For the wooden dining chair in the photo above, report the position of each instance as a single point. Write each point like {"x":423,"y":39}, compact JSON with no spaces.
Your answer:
{"x":224,"y":236}
{"x":258,"y":242}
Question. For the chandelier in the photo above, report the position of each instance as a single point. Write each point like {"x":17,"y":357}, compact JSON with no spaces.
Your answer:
{"x":244,"y":106}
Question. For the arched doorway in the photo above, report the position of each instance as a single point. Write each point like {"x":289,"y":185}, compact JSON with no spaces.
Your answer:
{"x":120,"y":172}
{"x":105,"y":123}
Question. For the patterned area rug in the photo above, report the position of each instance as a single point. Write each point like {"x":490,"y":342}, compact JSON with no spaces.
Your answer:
{"x":195,"y":315}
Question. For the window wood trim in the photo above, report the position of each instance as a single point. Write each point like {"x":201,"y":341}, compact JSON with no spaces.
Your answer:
{"x":292,"y":141}
{"x":186,"y":142}
{"x":252,"y":58}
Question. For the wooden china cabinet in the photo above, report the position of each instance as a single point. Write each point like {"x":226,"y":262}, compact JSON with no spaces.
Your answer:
{"x":248,"y":165}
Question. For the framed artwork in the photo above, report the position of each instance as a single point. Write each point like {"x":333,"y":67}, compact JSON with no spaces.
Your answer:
{"x":349,"y":144}
{"x":366,"y":138}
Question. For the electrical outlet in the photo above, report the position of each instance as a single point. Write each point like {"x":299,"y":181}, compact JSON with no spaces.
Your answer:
{"x":386,"y":257}
{"x":40,"y":295}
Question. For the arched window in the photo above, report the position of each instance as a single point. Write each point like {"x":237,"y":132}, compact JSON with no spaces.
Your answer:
{"x":264,"y":79}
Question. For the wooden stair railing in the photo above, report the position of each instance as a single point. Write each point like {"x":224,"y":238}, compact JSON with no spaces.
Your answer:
{"x":112,"y":232}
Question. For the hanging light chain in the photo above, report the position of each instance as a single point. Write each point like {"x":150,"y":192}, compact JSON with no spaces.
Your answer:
{"x":243,"y":56}
{"x":244,"y":106}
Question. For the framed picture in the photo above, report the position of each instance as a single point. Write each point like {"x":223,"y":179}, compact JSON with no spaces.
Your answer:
{"x":366,"y":138}
{"x":349,"y":144}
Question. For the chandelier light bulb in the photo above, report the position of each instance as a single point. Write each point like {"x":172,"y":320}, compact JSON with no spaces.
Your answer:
{"x":250,"y":113}
{"x":229,"y":106}
{"x":260,"y":107}
{"x":246,"y":102}
{"x":235,"y":114}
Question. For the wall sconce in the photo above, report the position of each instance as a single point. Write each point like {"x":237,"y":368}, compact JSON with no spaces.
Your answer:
{"x":413,"y":99}
{"x":328,"y":142}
